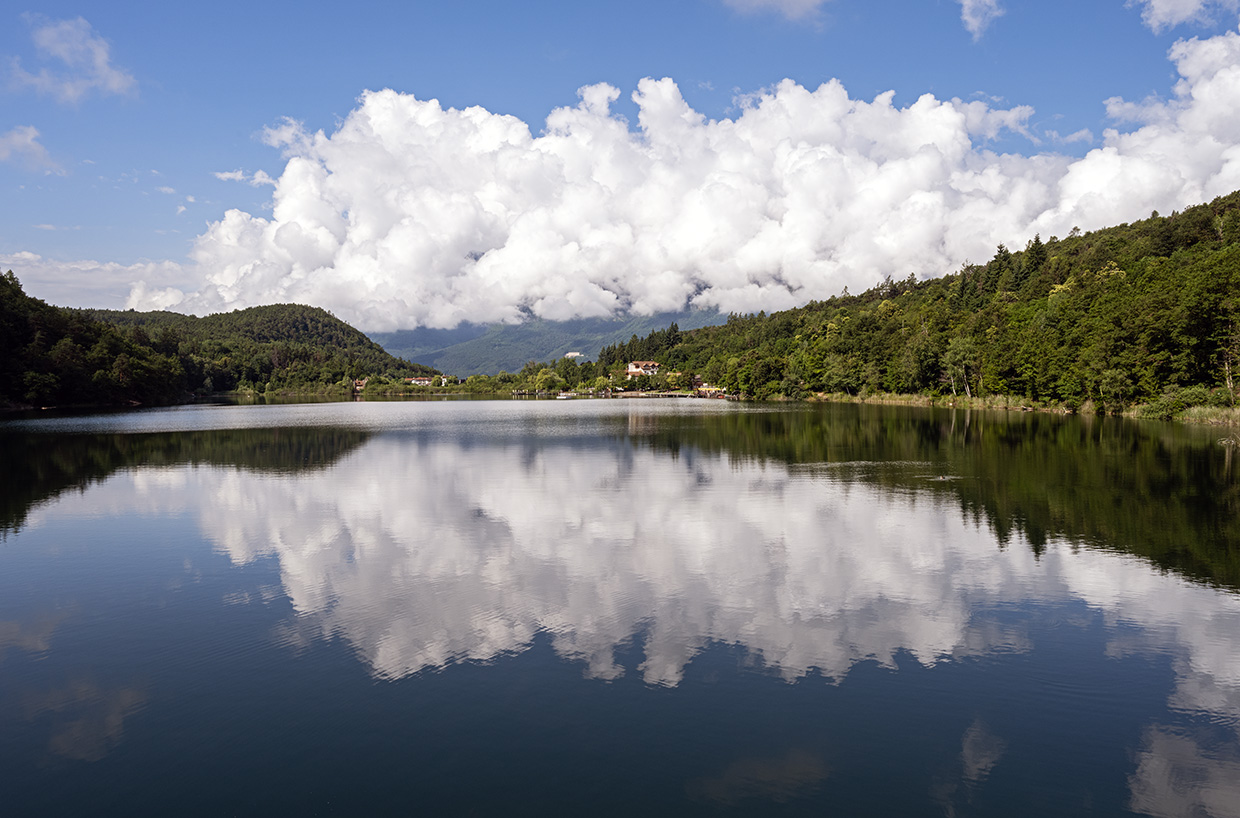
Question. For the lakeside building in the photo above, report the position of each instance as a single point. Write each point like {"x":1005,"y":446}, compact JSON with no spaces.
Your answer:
{"x":642,"y":368}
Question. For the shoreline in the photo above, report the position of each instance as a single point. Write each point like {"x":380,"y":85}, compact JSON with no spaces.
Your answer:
{"x":1194,"y":415}
{"x":1222,"y":417}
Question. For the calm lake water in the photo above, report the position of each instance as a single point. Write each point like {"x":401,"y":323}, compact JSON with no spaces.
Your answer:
{"x":617,"y":608}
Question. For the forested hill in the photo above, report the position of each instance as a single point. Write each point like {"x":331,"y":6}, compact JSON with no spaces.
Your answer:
{"x":1116,"y":316}
{"x":279,"y":346}
{"x":274,"y":323}
{"x":59,"y":357}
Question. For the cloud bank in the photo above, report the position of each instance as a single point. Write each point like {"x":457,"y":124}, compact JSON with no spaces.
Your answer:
{"x":411,"y":214}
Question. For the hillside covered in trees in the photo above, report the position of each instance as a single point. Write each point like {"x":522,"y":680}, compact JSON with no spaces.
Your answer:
{"x":1132,"y":313}
{"x":63,"y":357}
{"x":280,"y":346}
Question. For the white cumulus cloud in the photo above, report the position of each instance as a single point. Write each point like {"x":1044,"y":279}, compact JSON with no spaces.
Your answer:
{"x":1161,"y":15}
{"x":86,"y":58}
{"x":410,"y":214}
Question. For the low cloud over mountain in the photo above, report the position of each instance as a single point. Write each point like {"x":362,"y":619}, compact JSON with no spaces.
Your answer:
{"x":410,"y":214}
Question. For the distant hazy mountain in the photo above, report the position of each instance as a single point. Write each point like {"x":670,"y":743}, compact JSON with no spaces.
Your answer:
{"x":480,"y":349}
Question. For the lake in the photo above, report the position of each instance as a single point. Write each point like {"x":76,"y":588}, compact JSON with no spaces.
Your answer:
{"x":617,"y":607}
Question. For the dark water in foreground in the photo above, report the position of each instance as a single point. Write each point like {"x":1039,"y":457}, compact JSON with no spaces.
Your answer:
{"x":616,"y":608}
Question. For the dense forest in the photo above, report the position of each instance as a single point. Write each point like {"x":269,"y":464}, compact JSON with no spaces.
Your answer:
{"x":275,"y":347}
{"x":1139,"y":312}
{"x":65,"y":357}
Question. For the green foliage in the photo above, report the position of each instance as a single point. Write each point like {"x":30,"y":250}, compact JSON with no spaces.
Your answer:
{"x":1176,"y":399}
{"x":281,"y":347}
{"x":654,"y":347}
{"x":547,"y":381}
{"x":63,"y":357}
{"x":59,"y":357}
{"x":1116,"y":317}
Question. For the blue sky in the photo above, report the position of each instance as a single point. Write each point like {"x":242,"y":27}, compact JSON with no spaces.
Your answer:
{"x":119,"y":119}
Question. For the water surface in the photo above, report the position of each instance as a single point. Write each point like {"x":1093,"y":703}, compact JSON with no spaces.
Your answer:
{"x":616,"y":607}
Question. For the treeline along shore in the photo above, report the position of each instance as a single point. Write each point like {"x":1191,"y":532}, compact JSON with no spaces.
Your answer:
{"x":1146,"y":313}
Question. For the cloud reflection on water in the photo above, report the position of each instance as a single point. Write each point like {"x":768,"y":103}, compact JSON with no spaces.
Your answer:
{"x":87,"y":720}
{"x":424,"y":551}
{"x":427,"y":553}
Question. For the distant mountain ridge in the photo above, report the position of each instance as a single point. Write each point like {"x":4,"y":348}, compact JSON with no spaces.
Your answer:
{"x":487,"y":350}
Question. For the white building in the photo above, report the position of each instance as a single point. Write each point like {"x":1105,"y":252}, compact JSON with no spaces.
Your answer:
{"x":642,"y":368}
